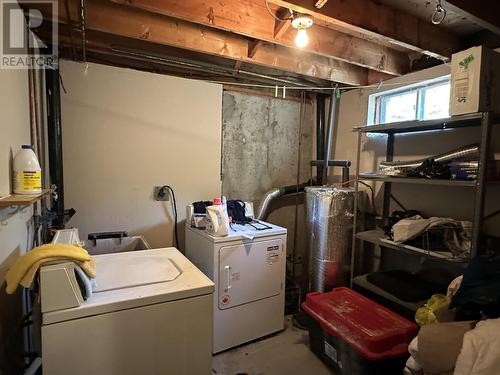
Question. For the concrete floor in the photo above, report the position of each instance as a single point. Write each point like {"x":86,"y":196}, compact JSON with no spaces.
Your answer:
{"x":285,"y":353}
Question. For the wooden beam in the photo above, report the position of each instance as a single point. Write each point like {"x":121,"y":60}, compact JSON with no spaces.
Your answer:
{"x":380,"y":22}
{"x":237,"y":66}
{"x":280,"y":28}
{"x":253,"y":45}
{"x":123,"y":21}
{"x":251,"y":18}
{"x":377,"y":77}
{"x":485,"y":12}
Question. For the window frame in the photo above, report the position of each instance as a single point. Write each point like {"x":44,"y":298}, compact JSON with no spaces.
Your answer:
{"x":375,"y":102}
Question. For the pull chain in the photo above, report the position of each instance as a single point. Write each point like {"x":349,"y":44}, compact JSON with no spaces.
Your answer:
{"x":439,"y":14}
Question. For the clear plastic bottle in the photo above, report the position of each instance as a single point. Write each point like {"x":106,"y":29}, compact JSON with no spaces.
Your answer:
{"x":27,"y":172}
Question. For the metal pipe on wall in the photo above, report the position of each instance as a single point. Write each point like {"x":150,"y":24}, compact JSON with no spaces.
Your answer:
{"x":271,"y":195}
{"x":54,"y":133}
{"x":33,"y":114}
{"x":332,"y":163}
{"x":345,"y":177}
{"x":196,"y":65}
{"x":332,"y":122}
{"x":320,"y":135}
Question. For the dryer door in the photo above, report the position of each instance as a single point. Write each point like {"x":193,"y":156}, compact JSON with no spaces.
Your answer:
{"x":249,"y":272}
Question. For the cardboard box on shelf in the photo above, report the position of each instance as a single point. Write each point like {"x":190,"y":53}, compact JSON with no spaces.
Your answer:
{"x":475,"y":81}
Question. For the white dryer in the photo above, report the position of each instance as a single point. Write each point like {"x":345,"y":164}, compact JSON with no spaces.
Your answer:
{"x":151,"y":313}
{"x":248,"y":269}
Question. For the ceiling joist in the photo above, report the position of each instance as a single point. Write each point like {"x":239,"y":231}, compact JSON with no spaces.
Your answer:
{"x":105,"y":17}
{"x":381,"y":23}
{"x":251,"y":18}
{"x":253,"y":45}
{"x":485,"y":12}
{"x":280,"y":28}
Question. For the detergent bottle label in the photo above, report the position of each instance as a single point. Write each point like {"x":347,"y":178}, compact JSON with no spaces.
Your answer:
{"x":29,"y":180}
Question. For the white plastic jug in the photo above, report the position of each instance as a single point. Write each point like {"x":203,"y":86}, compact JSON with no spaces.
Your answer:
{"x":27,"y":172}
{"x":218,"y":219}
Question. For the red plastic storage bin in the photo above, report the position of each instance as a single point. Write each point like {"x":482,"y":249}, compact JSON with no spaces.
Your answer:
{"x":355,"y":335}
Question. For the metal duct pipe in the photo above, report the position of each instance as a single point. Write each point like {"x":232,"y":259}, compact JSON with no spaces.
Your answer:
{"x":54,"y":133}
{"x":398,"y":168}
{"x":320,"y":135}
{"x":329,"y":225}
{"x":272,"y":194}
{"x":332,"y":121}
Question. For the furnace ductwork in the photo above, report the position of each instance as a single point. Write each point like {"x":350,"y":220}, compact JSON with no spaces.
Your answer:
{"x":330,"y":217}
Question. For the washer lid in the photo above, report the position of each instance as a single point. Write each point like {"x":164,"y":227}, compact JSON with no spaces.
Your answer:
{"x":133,"y":268}
{"x":136,"y":279}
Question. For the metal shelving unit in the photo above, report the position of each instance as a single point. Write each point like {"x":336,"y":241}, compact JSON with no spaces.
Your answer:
{"x":418,"y":181}
{"x":377,"y":237}
{"x":483,"y":121}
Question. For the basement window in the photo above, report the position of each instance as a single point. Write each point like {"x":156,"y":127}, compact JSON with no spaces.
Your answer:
{"x":422,"y":101}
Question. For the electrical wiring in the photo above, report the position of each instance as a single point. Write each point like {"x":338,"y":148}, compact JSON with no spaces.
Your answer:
{"x":174,"y":210}
{"x":276,"y":17}
{"x":372,"y":196}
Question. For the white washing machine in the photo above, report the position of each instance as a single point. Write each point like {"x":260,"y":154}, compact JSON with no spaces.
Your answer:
{"x":248,"y":269}
{"x":151,"y":313}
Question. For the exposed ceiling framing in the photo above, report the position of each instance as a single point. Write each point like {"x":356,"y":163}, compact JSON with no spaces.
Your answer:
{"x":379,"y":22}
{"x":251,"y":18}
{"x":485,"y":13}
{"x":355,"y":42}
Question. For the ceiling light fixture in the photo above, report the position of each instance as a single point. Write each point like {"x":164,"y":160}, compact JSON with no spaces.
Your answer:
{"x":301,"y":22}
{"x":319,"y":4}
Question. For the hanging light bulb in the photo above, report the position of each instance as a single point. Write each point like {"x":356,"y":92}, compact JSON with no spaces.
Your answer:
{"x":301,"y":39}
{"x":301,"y":22}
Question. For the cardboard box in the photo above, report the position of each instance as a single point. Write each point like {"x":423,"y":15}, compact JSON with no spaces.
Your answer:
{"x":475,"y":81}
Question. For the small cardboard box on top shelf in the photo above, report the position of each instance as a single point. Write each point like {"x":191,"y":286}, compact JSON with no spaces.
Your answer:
{"x":475,"y":81}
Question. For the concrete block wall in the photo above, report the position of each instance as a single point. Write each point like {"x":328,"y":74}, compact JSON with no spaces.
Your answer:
{"x":260,"y":142}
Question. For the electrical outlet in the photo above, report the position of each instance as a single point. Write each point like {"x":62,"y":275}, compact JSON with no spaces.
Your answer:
{"x":160,"y":194}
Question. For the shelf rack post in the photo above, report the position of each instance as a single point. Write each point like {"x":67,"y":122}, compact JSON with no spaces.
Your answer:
{"x":355,"y":221}
{"x":388,"y":186}
{"x":480,"y":196}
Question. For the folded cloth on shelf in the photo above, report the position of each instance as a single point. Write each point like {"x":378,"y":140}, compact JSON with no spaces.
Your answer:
{"x":450,"y":234}
{"x":397,"y":216}
{"x":408,"y":229}
{"x":25,"y":268}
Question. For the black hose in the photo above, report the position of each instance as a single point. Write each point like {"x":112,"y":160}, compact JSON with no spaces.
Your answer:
{"x":174,"y":209}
